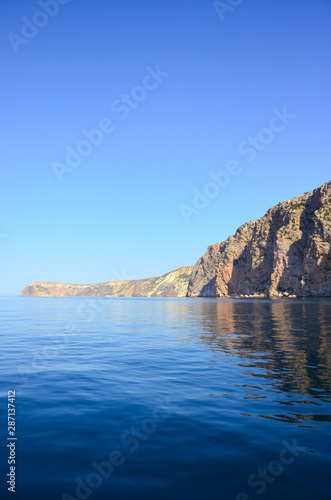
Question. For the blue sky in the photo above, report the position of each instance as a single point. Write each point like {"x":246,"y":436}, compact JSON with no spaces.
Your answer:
{"x":119,"y":213}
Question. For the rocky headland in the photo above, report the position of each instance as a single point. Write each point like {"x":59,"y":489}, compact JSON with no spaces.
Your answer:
{"x":173,"y":284}
{"x":286,"y":253}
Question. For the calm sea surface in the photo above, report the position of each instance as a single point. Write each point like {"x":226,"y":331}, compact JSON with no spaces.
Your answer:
{"x":167,"y":398}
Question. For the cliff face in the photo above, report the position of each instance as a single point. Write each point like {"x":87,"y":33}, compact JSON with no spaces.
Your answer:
{"x":285,"y":252}
{"x":173,"y":284}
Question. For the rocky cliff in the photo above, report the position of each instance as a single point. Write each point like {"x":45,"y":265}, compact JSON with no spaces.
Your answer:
{"x":173,"y":284}
{"x":286,"y":252}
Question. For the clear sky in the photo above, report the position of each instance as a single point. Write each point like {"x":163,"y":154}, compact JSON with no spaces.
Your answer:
{"x":179,"y":89}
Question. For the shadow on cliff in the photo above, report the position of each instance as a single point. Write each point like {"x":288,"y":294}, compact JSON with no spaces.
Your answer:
{"x":209,"y":289}
{"x":244,"y":279}
{"x":301,"y":276}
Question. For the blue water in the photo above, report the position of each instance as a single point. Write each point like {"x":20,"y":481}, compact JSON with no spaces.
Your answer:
{"x":189,"y":398}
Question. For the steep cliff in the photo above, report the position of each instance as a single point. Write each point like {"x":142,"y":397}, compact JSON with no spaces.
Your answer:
{"x":286,"y":252}
{"x":173,"y":284}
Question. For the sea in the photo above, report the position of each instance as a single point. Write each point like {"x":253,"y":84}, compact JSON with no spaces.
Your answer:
{"x":165,"y":399}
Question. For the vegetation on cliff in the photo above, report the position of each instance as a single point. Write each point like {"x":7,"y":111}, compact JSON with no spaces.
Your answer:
{"x":285,"y":253}
{"x":173,"y":284}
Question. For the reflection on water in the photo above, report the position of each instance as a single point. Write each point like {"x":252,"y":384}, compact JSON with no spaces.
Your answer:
{"x":285,"y":346}
{"x":240,"y":378}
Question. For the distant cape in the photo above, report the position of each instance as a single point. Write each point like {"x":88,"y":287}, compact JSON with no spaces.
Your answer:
{"x":286,"y":253}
